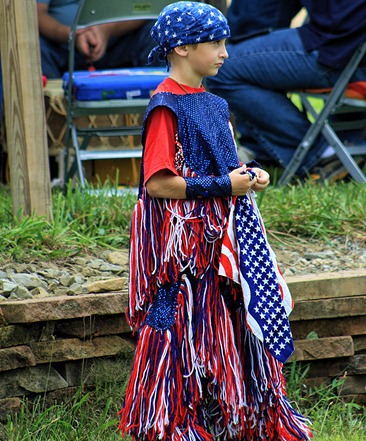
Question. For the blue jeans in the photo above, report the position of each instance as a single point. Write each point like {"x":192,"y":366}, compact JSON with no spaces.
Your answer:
{"x":254,"y":80}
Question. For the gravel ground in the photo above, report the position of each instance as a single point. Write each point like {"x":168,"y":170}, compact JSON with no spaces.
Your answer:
{"x":313,"y":257}
{"x":82,"y":274}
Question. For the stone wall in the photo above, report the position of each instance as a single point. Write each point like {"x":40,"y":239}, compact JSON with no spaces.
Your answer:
{"x":49,"y":346}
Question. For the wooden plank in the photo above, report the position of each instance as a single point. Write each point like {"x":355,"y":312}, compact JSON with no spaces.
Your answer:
{"x":320,"y":348}
{"x":329,"y":308}
{"x":353,"y":384}
{"x":63,"y":307}
{"x":328,"y":285}
{"x":329,"y":327}
{"x":360,"y":343}
{"x":75,"y":349}
{"x":354,"y":365}
{"x":24,"y":108}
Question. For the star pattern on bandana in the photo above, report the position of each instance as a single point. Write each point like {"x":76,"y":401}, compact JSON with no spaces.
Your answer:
{"x":188,"y":23}
{"x":265,"y":306}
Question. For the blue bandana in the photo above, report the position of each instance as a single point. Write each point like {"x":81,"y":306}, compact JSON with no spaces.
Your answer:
{"x":187,"y":23}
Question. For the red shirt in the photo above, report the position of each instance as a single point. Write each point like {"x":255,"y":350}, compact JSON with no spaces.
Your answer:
{"x":161,"y":128}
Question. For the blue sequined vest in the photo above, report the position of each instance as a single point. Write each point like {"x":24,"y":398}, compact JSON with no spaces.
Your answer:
{"x":203,"y":131}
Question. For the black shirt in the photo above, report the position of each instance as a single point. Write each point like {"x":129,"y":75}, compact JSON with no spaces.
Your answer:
{"x":335,"y":28}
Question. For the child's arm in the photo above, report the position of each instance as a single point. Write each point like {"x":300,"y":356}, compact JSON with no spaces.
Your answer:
{"x":164,"y":184}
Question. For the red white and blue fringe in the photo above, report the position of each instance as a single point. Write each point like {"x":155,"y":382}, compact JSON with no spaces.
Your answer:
{"x":207,"y":377}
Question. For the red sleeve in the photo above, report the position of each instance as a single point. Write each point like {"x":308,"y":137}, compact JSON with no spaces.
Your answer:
{"x":160,"y":148}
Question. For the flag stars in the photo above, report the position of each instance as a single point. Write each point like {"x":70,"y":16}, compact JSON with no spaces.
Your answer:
{"x":258,"y":269}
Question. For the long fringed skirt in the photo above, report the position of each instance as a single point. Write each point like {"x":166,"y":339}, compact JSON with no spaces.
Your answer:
{"x":200,"y":375}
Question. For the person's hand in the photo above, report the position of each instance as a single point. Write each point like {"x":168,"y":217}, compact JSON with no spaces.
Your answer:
{"x":241,"y":181}
{"x":262,"y":180}
{"x":92,"y":42}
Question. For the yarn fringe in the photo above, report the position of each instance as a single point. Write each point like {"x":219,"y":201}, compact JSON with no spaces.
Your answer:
{"x":208,"y":355}
{"x":269,"y":415}
{"x":169,"y":237}
{"x":176,"y":369}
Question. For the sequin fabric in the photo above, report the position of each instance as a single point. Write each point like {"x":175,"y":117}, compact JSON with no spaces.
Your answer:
{"x":187,"y":23}
{"x":208,"y":186}
{"x":162,"y":313}
{"x":203,"y":131}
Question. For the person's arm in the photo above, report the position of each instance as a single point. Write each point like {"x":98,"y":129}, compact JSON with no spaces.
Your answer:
{"x":164,"y":184}
{"x":92,"y":42}
{"x":50,"y":28}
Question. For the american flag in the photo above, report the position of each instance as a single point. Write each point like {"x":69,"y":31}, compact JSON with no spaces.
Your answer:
{"x":248,"y":259}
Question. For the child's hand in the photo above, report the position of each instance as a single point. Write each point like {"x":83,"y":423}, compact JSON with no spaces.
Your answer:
{"x":262,"y":180}
{"x":241,"y":181}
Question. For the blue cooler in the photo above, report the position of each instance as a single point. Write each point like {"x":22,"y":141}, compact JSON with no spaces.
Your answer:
{"x":113,"y":84}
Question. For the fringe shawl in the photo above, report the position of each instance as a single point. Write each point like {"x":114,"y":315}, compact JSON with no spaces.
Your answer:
{"x":169,"y":237}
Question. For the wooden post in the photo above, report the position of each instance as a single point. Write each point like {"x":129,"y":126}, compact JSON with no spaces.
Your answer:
{"x":24,"y":108}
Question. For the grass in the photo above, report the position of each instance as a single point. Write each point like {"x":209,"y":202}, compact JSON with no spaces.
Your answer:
{"x":86,"y":222}
{"x":332,"y":418}
{"x":92,"y":415}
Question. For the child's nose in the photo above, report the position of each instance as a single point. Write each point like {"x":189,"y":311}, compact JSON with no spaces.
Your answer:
{"x":224,"y":53}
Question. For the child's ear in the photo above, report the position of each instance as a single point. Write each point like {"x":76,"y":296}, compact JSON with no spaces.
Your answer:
{"x":181,"y":50}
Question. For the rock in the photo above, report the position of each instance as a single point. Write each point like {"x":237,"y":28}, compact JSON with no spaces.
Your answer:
{"x":40,"y":379}
{"x":76,"y":289}
{"x":40,"y":292}
{"x":28,"y":280}
{"x":109,"y":270}
{"x":116,"y":284}
{"x":22,"y":293}
{"x":67,"y":280}
{"x":16,"y":357}
{"x":118,"y":258}
{"x":8,"y":406}
{"x":110,"y":267}
{"x":7,"y":287}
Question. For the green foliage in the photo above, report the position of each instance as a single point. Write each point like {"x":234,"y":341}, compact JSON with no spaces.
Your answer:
{"x":81,"y":219}
{"x":93,"y":415}
{"x":316,"y":211}
{"x":332,"y":417}
{"x":100,"y":217}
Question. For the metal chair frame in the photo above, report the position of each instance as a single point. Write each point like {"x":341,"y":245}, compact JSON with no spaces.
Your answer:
{"x":90,"y":13}
{"x":335,"y":102}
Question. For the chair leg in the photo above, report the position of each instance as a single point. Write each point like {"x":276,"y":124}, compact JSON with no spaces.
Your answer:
{"x":344,"y":155}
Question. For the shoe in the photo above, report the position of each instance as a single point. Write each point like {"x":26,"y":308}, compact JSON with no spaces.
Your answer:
{"x":332,"y":170}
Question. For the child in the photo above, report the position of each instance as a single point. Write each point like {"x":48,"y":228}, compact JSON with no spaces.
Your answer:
{"x":206,"y":296}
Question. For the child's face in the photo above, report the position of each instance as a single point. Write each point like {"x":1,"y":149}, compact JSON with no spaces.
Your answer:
{"x":207,"y":58}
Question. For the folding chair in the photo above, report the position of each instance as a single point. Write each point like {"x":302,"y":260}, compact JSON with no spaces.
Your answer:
{"x":344,"y":98}
{"x":98,"y":99}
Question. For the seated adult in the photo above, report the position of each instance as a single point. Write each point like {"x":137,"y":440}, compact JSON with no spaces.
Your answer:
{"x":111,"y":45}
{"x":259,"y":72}
{"x":248,"y":18}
